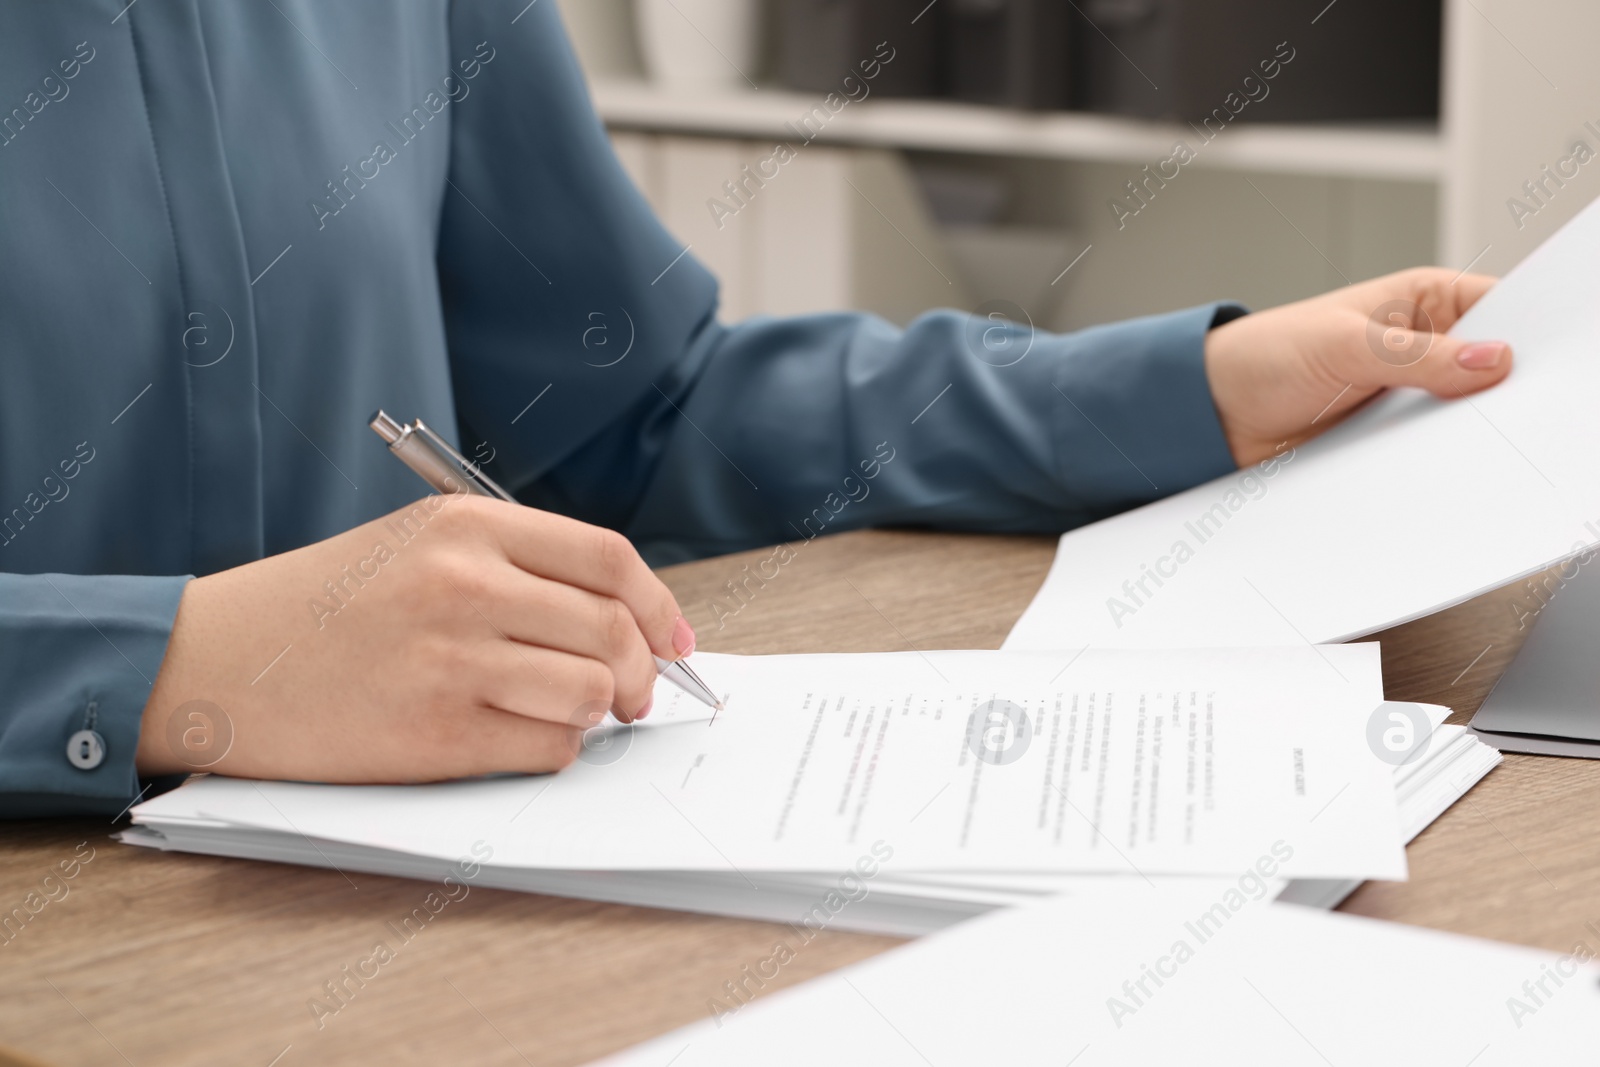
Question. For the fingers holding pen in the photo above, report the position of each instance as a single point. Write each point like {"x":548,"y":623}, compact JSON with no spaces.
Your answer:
{"x":545,"y":685}
{"x":550,"y":648}
{"x":598,"y":560}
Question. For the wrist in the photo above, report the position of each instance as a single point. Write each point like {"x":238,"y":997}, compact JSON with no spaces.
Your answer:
{"x":155,"y":755}
{"x":1227,"y":366}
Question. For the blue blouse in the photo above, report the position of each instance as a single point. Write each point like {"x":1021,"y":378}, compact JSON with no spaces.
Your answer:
{"x":230,"y":230}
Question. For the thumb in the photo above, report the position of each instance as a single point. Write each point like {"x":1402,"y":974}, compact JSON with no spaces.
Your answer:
{"x":1447,"y":367}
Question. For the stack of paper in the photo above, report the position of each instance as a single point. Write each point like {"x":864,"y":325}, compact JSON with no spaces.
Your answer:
{"x":1140,"y":976}
{"x":899,"y":792}
{"x":1425,"y":786}
{"x":1431,"y":779}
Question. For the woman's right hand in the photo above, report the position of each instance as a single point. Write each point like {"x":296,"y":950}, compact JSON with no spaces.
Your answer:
{"x":457,"y":637}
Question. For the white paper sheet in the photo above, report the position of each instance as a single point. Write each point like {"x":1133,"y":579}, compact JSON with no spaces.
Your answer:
{"x":1137,"y":976}
{"x":1412,"y":505}
{"x":1186,"y":762}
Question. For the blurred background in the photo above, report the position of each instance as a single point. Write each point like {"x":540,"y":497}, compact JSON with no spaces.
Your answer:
{"x":1082,"y":161}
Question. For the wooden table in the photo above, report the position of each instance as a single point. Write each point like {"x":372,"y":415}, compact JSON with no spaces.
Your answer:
{"x":169,"y":959}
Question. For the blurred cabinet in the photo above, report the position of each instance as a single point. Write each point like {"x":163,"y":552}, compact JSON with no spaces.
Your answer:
{"x":1521,"y":91}
{"x":828,"y":229}
{"x":1264,"y":213}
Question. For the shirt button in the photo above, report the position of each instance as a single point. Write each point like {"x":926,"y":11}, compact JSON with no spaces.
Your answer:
{"x":86,"y":749}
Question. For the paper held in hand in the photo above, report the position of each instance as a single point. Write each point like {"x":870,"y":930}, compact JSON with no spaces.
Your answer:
{"x":1412,"y":505}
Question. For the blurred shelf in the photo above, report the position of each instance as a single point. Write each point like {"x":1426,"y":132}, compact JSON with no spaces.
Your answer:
{"x":1401,"y":152}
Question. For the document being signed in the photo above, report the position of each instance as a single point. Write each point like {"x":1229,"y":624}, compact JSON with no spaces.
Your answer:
{"x":1134,"y":762}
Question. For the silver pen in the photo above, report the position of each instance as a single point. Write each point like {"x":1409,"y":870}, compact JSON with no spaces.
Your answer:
{"x":448,"y":471}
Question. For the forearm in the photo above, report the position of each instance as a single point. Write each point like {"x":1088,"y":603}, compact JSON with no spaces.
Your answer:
{"x":778,"y":429}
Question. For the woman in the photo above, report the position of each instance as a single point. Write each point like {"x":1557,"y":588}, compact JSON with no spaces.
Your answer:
{"x":232,"y":230}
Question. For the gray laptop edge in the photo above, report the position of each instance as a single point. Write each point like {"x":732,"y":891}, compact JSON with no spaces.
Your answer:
{"x":1548,"y":701}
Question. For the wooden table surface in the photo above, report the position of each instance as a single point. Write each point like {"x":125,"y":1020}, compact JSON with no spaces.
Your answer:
{"x":156,"y":959}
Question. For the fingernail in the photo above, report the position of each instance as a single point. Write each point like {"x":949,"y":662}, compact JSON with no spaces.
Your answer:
{"x":648,"y":704}
{"x":682,"y":636}
{"x":1482,"y":356}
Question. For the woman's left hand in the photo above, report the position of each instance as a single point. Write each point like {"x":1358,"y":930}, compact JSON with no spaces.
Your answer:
{"x":1282,"y":376}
